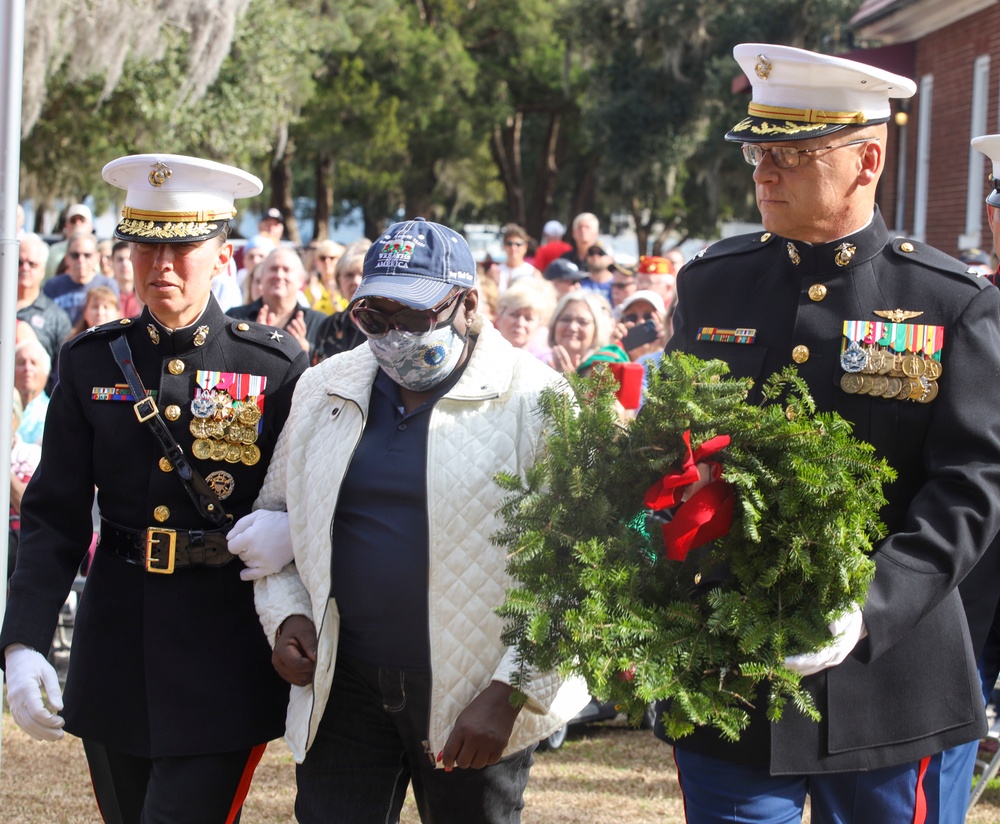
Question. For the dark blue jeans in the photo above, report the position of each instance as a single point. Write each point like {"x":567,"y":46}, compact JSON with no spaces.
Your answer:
{"x":372,"y":742}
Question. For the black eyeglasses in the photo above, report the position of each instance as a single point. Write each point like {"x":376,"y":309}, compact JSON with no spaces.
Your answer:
{"x":632,"y":317}
{"x":376,"y":324}
{"x":788,"y":157}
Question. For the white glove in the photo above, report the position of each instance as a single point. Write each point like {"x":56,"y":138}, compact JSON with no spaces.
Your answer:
{"x":846,"y":630}
{"x":27,"y":673}
{"x":263,"y":541}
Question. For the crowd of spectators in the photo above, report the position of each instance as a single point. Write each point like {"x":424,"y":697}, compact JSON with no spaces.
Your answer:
{"x":565,"y":301}
{"x":562,"y":301}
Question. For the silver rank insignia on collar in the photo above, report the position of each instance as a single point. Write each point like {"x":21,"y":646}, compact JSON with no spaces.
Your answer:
{"x":845,"y":252}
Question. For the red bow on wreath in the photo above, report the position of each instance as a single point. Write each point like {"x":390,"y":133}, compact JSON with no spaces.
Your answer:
{"x":705,"y":516}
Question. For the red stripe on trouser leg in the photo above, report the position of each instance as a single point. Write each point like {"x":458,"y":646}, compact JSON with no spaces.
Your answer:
{"x":920,"y":803}
{"x":244,"y":787}
{"x":673,"y":751}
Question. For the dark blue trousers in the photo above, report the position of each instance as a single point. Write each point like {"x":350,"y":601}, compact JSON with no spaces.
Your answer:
{"x":720,"y":792}
{"x":195,"y":789}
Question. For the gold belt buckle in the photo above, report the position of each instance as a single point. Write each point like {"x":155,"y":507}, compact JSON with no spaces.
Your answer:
{"x":154,"y":560}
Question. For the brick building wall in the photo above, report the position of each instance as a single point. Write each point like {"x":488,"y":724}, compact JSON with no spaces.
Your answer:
{"x":949,"y":55}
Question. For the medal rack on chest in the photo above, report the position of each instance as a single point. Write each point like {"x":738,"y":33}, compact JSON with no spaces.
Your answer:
{"x":890,"y":359}
{"x":228,"y":408}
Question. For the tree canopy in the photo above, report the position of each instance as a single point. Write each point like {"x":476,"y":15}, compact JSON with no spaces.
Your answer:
{"x":480,"y":111}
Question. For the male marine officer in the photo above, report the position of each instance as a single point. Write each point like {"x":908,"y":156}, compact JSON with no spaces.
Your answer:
{"x":902,"y":342}
{"x":173,"y":417}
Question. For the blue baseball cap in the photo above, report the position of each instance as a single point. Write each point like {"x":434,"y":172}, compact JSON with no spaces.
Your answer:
{"x":417,"y":263}
{"x":564,"y":269}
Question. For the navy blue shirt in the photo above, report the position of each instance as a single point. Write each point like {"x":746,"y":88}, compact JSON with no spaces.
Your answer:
{"x":380,"y":536}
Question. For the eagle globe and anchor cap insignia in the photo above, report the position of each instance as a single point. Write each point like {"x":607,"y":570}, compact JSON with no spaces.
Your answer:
{"x":159,"y":174}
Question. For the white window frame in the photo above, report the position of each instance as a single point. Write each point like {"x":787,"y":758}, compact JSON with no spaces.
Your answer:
{"x":974,"y":186}
{"x":921,"y":184}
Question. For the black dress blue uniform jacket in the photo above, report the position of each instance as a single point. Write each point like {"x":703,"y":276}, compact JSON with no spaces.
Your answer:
{"x":161,"y":665}
{"x":910,"y":688}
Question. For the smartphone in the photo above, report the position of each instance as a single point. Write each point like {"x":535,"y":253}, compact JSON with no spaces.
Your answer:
{"x":640,"y":335}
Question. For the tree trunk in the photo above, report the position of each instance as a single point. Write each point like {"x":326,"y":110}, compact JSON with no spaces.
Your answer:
{"x":281,"y":183}
{"x":584,"y":196}
{"x":418,"y":191}
{"x":505,"y":145}
{"x":324,"y":196}
{"x":539,"y":210}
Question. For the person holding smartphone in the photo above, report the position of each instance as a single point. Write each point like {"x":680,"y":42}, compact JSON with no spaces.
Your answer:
{"x":641,"y":324}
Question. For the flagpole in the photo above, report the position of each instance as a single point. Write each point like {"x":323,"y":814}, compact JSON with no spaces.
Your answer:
{"x":11,"y":73}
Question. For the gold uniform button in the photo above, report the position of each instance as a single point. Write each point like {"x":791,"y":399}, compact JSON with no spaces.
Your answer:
{"x":173,"y":412}
{"x":165,"y":465}
{"x":800,"y":354}
{"x":161,"y":513}
{"x":243,"y":327}
{"x":176,"y":366}
{"x":906,"y":247}
{"x":817,"y":292}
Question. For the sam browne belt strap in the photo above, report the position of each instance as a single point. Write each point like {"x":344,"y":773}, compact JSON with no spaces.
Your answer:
{"x":204,"y":498}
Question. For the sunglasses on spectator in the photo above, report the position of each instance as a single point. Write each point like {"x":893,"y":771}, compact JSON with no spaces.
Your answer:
{"x":31,"y":264}
{"x":328,"y":257}
{"x":78,"y":255}
{"x":377,"y":324}
{"x":633,"y":317}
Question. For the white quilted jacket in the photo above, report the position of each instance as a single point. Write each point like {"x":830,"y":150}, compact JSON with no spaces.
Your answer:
{"x":487,"y":423}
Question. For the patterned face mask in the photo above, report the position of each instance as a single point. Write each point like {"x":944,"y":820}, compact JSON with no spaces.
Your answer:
{"x":419,"y":362}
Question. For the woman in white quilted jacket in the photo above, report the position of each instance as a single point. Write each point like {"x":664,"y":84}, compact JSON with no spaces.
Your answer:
{"x":376,"y":580}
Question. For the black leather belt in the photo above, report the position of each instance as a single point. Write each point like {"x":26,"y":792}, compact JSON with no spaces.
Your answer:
{"x":164,"y":550}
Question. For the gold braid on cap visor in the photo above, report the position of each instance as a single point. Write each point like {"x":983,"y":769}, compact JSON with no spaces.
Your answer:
{"x":157,"y":224}
{"x":796,"y":121}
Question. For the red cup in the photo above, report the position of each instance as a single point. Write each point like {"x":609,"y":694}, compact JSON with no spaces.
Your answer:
{"x":629,"y":377}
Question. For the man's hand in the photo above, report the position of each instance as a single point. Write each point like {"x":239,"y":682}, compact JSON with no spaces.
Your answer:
{"x":294,"y":655}
{"x":297,"y":329}
{"x":27,"y":674}
{"x":482,"y":730}
{"x":847,"y":630}
{"x":263,"y":541}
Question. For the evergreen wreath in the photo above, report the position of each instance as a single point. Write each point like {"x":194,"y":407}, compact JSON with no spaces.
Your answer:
{"x":600,"y":591}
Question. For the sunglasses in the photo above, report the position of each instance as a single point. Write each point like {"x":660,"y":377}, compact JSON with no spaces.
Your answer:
{"x":84,"y":255}
{"x":328,"y":257}
{"x":633,"y":317}
{"x":376,"y":324}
